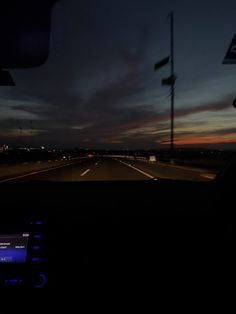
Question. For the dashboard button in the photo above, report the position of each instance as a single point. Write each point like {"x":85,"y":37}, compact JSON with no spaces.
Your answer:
{"x":40,"y":281}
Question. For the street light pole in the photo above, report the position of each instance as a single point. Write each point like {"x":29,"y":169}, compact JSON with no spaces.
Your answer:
{"x":172,"y":82}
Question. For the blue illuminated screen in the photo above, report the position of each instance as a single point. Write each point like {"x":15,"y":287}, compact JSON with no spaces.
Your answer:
{"x":13,"y":247}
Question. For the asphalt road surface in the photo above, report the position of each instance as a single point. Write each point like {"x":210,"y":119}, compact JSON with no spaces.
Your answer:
{"x":111,"y":168}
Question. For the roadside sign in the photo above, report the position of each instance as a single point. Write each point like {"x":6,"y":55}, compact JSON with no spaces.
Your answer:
{"x":169,"y":80}
{"x":234,"y":103}
{"x":230,"y":57}
{"x":152,"y":159}
{"x":161,"y":63}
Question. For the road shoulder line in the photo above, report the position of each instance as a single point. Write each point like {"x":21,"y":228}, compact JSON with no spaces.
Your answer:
{"x":137,"y":169}
{"x":85,"y":172}
{"x":34,"y":173}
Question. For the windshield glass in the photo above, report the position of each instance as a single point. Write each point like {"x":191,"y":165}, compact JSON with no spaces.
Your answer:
{"x":131,"y":90}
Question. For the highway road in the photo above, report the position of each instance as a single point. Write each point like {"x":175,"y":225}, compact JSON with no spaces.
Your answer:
{"x":111,"y":168}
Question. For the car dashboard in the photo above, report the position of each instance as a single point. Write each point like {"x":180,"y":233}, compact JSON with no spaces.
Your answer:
{"x":54,"y":235}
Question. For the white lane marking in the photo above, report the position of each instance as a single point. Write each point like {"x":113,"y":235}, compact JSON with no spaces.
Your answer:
{"x":137,"y":169}
{"x":34,"y":173}
{"x":208,"y":176}
{"x":84,"y":173}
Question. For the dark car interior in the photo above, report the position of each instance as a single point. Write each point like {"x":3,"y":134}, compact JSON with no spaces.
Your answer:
{"x":100,"y":235}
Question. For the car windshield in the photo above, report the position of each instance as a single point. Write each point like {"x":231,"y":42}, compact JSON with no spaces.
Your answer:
{"x":131,"y":90}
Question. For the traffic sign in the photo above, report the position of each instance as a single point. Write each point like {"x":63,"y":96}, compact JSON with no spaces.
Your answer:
{"x":169,"y":80}
{"x":230,"y":57}
{"x":161,"y":63}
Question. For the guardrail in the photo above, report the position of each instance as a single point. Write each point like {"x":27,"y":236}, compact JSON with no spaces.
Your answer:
{"x":140,"y":158}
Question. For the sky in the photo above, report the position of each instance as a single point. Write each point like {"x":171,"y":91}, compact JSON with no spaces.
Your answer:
{"x":98,"y":88}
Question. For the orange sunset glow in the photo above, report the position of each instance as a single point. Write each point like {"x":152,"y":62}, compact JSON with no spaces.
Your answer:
{"x":206,"y":140}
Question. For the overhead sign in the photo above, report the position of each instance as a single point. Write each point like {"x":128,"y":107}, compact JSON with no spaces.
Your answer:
{"x":230,"y":57}
{"x":161,"y":63}
{"x":169,"y":80}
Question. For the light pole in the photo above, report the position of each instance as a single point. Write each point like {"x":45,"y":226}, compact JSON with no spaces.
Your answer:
{"x":170,"y":81}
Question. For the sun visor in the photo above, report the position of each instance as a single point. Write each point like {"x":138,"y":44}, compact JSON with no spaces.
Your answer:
{"x":24,"y":33}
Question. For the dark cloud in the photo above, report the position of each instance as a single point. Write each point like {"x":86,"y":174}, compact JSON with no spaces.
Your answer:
{"x":215,"y":106}
{"x":208,"y":107}
{"x":224,"y":131}
{"x":104,"y":118}
{"x":215,"y":133}
{"x":101,"y":64}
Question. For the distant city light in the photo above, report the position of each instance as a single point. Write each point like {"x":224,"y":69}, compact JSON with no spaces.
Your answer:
{"x":3,"y":148}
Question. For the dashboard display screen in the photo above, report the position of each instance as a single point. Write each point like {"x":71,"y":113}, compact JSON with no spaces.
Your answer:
{"x":13,"y":247}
